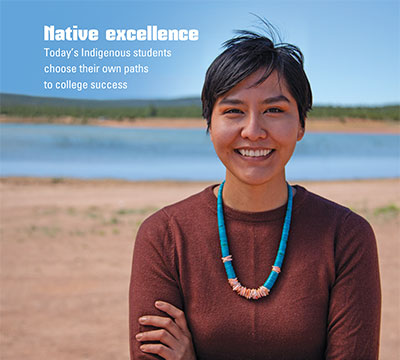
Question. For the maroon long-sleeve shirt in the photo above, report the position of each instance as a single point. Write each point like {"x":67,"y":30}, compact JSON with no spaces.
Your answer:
{"x":325,"y":304}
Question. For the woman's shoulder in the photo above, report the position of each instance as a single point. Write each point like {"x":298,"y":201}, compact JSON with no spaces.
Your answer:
{"x":192,"y":207}
{"x":318,"y":208}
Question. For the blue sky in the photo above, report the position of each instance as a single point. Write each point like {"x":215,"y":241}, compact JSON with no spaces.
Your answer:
{"x":351,"y":48}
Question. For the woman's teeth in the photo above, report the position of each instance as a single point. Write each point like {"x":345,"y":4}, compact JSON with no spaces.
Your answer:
{"x":254,"y":153}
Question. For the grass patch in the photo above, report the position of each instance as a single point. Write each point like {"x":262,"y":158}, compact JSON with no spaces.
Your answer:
{"x":49,"y":211}
{"x":93,"y":212}
{"x":125,"y":211}
{"x":388,"y":210}
{"x":139,"y":211}
{"x":49,"y":231}
{"x":57,"y":180}
{"x":71,"y":211}
{"x":114,"y":221}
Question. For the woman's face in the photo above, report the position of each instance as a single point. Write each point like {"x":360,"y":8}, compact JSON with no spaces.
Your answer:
{"x":254,"y":129}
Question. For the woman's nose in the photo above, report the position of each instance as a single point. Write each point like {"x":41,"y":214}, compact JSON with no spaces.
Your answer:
{"x":253,"y":128}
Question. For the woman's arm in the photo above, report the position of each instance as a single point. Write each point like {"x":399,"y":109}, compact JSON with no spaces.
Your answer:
{"x":155,"y":277}
{"x":355,"y":298}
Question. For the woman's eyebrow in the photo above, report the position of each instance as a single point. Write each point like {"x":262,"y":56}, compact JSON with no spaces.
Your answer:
{"x":230,"y":101}
{"x":274,"y":99}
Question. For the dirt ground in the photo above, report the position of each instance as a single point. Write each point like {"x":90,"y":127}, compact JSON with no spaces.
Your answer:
{"x":66,"y":248}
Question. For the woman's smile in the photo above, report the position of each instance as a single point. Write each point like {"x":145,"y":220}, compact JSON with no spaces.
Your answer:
{"x":254,"y":153}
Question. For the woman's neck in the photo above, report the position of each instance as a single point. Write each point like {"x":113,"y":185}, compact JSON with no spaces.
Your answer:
{"x":254,"y":198}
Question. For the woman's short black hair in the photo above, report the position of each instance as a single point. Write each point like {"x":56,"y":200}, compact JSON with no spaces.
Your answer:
{"x":247,"y":53}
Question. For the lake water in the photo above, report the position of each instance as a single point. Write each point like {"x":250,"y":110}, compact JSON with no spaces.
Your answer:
{"x":179,"y":154}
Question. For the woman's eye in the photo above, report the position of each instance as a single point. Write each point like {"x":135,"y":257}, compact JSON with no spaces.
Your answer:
{"x":273,"y":110}
{"x":232,"y":111}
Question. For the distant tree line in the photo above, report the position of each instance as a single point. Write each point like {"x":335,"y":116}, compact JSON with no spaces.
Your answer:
{"x":191,"y":111}
{"x":391,"y":112}
{"x":106,"y":113}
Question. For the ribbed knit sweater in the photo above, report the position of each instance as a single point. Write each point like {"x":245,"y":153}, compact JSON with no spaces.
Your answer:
{"x":325,"y":304}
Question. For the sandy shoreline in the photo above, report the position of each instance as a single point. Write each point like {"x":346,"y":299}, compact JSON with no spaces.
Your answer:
{"x":66,"y":248}
{"x":346,"y":125}
{"x":312,"y":125}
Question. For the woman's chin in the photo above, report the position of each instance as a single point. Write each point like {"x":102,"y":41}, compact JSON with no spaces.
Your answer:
{"x":255,"y":178}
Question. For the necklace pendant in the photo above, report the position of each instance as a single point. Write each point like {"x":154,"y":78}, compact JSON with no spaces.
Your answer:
{"x":241,"y":290}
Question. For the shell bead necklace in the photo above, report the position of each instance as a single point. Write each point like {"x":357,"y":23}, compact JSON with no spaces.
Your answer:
{"x":264,"y":289}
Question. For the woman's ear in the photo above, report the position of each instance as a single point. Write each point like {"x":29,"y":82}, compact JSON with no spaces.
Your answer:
{"x":300,"y":132}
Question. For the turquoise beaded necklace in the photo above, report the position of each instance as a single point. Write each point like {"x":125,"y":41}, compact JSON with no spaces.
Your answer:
{"x":264,"y":289}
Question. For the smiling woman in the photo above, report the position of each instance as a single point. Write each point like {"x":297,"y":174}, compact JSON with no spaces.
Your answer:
{"x":249,"y":121}
{"x":204,"y":281}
